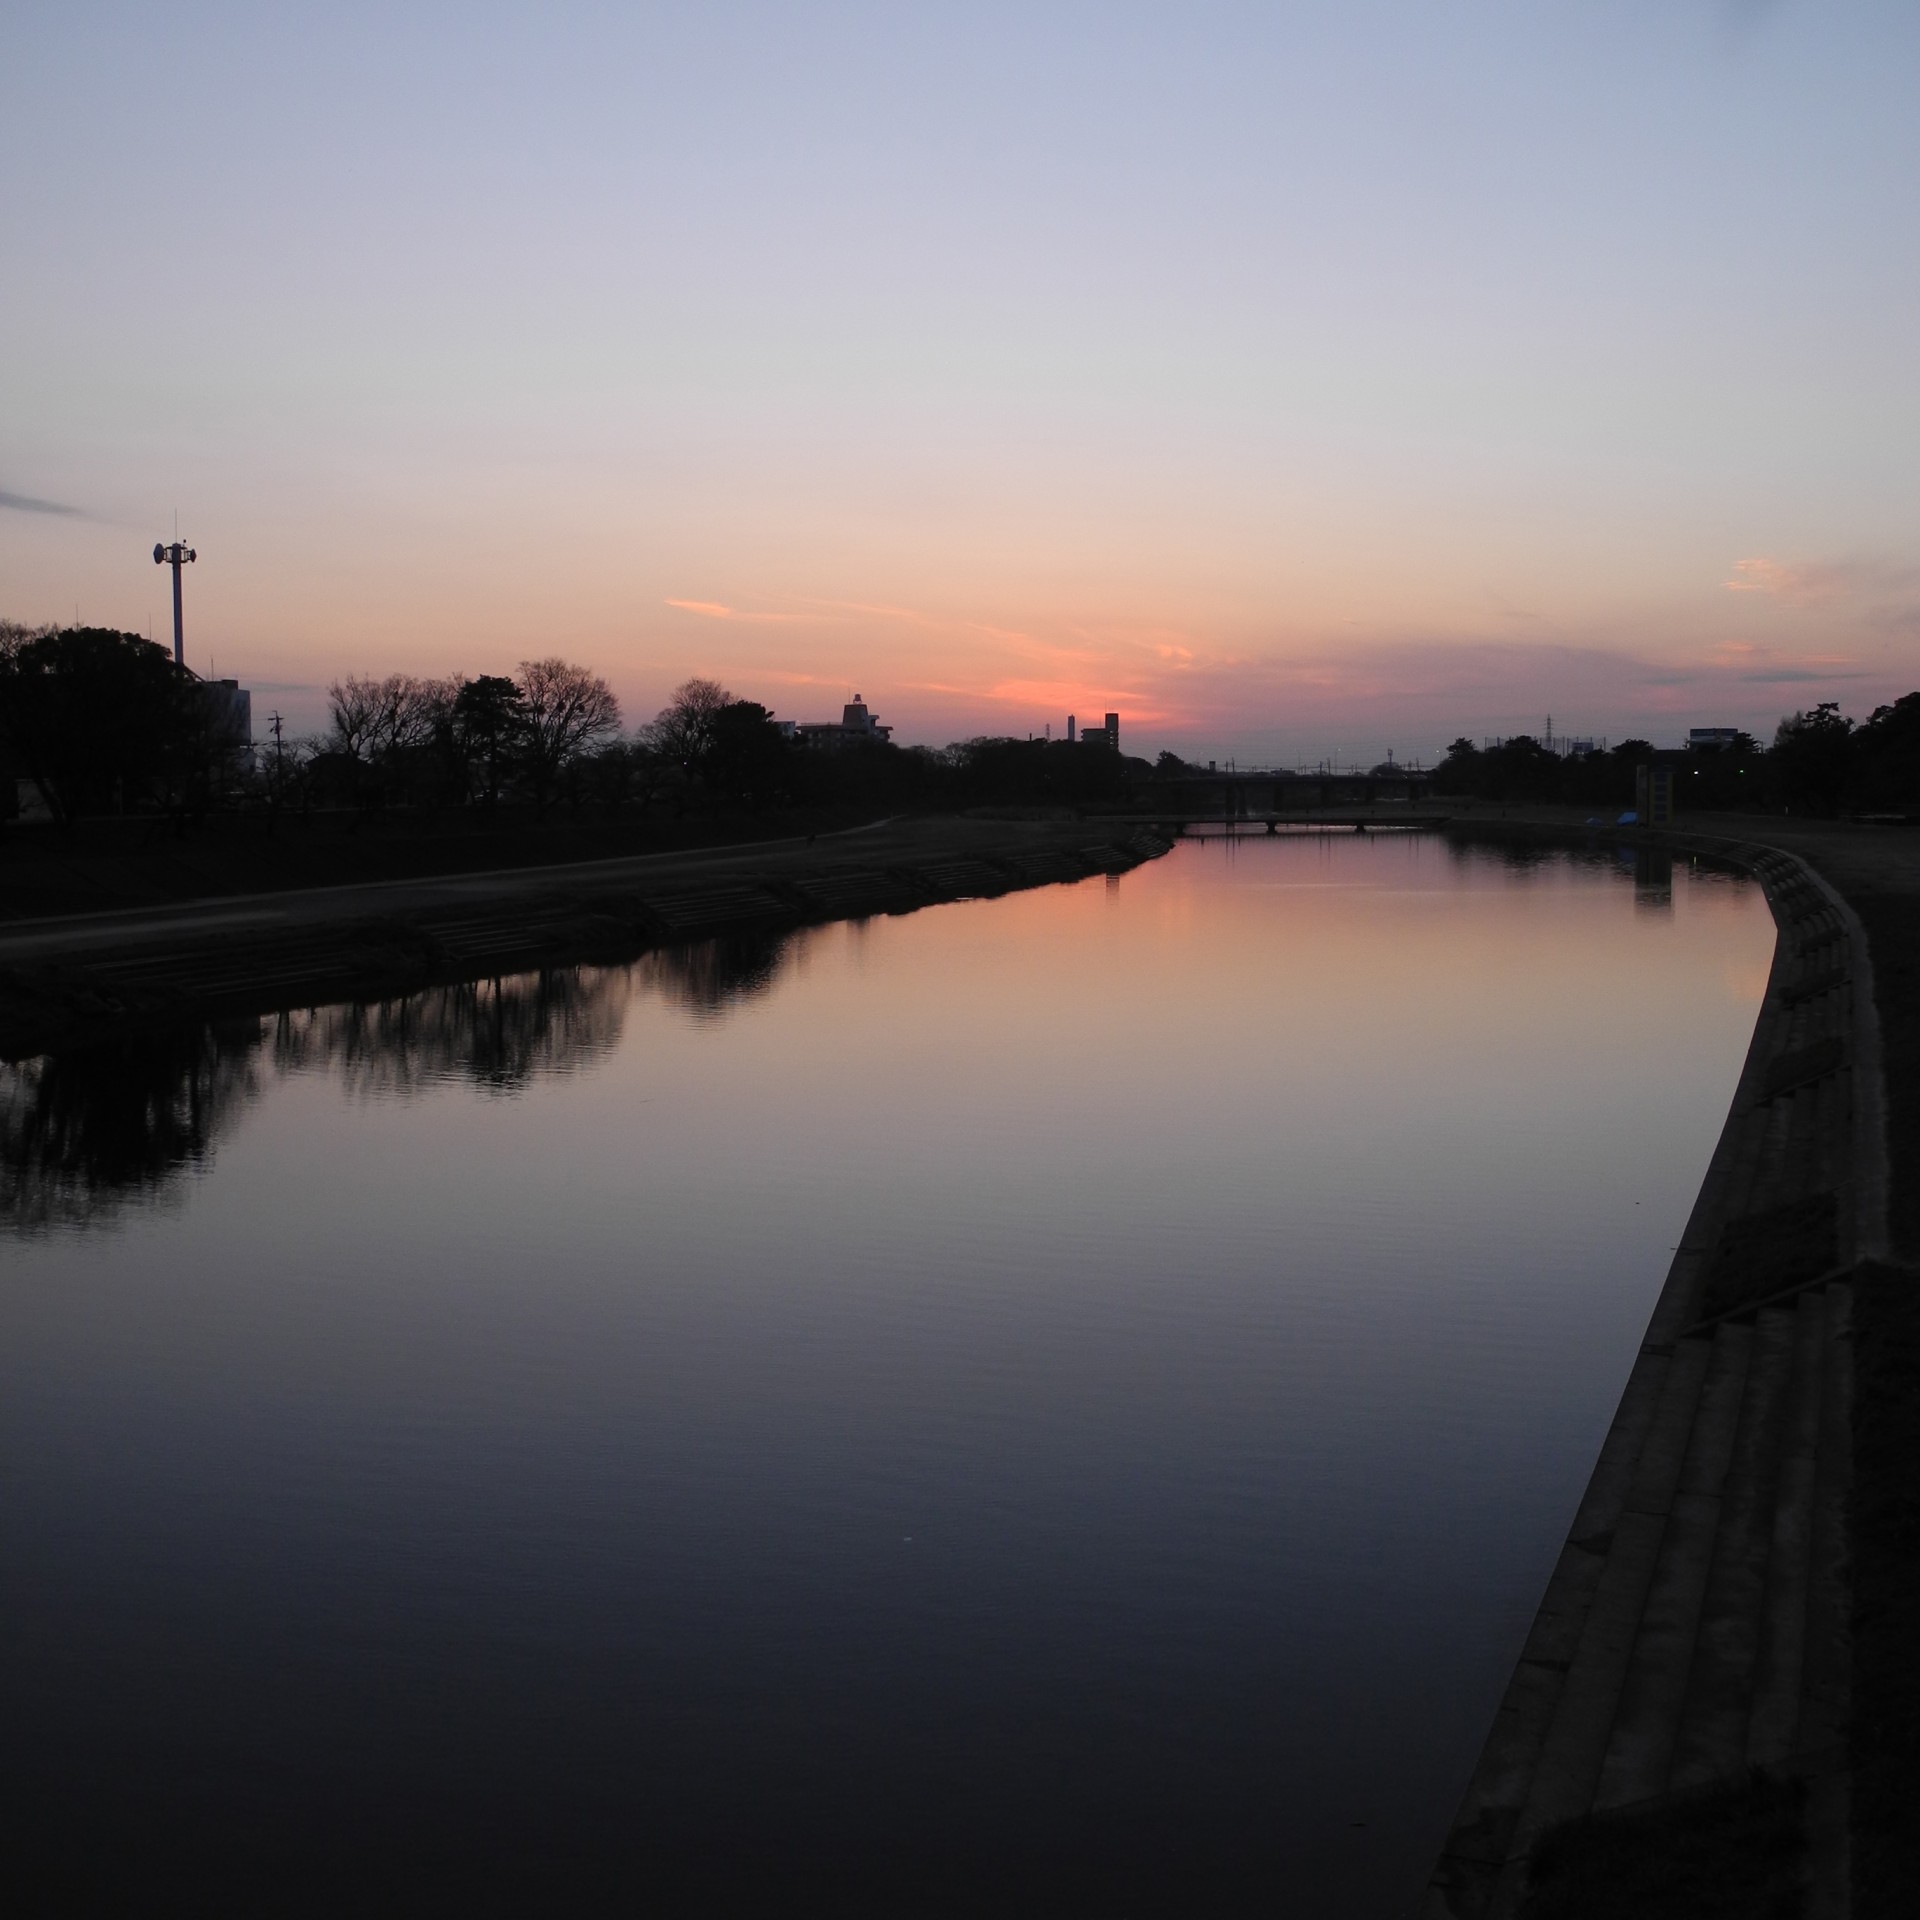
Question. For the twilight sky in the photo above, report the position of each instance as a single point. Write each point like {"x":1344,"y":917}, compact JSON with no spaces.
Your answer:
{"x":1296,"y":379}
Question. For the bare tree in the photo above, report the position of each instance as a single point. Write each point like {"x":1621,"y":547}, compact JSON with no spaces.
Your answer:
{"x":569,"y":711}
{"x":354,"y":707}
{"x":391,"y":726}
{"x":374,"y":719}
{"x":650,"y":770}
{"x":684,"y":730}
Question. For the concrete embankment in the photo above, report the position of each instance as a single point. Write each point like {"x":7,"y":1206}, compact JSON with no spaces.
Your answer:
{"x":82,"y":977}
{"x":1677,"y":1730}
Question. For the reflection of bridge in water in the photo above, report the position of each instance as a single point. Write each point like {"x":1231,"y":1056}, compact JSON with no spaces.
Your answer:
{"x":1216,"y":826}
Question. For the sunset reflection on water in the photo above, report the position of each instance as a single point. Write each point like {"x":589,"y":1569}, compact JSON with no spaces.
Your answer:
{"x":1073,"y":1395}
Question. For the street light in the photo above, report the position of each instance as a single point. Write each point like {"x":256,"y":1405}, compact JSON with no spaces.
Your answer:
{"x":175,"y":556}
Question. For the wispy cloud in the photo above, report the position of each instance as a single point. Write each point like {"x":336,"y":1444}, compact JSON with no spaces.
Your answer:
{"x":26,"y":503}
{"x":1806,"y":583}
{"x":1881,"y":594}
{"x":1798,"y":676}
{"x":1053,"y":698}
{"x":782,"y":676}
{"x":1758,"y":666}
{"x":1414,"y":689}
{"x":927,"y":622}
{"x":714,"y":610}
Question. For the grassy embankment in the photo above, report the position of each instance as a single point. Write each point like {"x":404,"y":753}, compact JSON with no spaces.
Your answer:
{"x":100,"y":864}
{"x":173,"y":935}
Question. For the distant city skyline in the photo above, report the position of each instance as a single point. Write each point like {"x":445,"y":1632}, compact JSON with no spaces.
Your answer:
{"x":1296,"y":383}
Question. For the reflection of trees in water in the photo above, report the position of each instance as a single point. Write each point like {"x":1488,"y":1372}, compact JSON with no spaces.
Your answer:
{"x":1521,"y":859}
{"x":83,"y":1133}
{"x":1650,"y":869}
{"x":709,"y":976}
{"x":494,"y":1033}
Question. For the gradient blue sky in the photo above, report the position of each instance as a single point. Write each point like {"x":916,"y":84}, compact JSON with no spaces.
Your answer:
{"x":1294,"y":379}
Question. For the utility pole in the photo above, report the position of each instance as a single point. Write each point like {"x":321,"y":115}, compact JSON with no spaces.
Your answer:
{"x":175,"y":556}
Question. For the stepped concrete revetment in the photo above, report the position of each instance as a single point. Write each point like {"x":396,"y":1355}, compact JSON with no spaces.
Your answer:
{"x":1695,"y":1628}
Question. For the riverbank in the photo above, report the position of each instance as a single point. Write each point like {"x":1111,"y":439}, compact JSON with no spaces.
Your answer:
{"x":70,"y":979}
{"x":103,"y":863}
{"x":1715,"y":1709}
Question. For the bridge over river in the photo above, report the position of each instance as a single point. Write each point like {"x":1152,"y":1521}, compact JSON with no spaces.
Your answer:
{"x":1277,"y":799}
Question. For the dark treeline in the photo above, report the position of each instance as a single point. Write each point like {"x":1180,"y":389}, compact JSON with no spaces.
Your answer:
{"x":104,"y":722}
{"x":554,"y":737}
{"x":1820,"y":762}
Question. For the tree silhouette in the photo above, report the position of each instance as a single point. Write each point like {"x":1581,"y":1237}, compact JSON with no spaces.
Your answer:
{"x":489,"y":731}
{"x":683,"y":731}
{"x":97,"y":719}
{"x":1811,"y":757}
{"x":569,"y":711}
{"x":749,"y":758}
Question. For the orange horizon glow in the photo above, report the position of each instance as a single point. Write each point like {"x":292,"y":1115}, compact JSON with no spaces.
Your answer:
{"x":1291,"y":387}
{"x":1758,"y":643}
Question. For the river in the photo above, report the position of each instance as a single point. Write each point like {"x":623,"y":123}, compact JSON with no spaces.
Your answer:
{"x":1064,"y":1400}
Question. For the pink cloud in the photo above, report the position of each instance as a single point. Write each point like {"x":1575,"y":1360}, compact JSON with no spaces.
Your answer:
{"x":713,"y":610}
{"x":949,"y":673}
{"x":1794,"y":583}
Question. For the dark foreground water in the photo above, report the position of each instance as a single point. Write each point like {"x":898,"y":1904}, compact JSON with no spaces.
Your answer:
{"x":1059,"y":1402}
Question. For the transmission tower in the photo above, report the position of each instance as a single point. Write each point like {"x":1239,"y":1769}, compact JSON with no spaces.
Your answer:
{"x":176,"y":557}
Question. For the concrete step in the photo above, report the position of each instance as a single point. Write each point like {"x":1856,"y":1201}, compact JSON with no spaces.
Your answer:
{"x":1711,"y":1744}
{"x":213,"y":983}
{"x":1043,"y":868}
{"x":1696,"y":1624}
{"x":965,"y":879}
{"x":1568,"y":1774}
{"x":858,"y":894}
{"x":1482,"y":1839}
{"x":1780,"y":1669}
{"x":1826,"y":1686}
{"x":1831,"y":1141}
{"x":1762,"y":1170}
{"x":1639,"y":1756}
{"x":158,"y":966}
{"x":715,"y":907}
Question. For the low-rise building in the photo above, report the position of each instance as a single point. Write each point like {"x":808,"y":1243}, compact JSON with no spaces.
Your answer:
{"x":855,"y":727}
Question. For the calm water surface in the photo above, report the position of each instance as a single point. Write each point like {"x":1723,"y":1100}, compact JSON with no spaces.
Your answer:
{"x":1064,"y":1399}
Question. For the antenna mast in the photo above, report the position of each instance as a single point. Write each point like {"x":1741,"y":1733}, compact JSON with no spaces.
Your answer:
{"x":176,"y":556}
